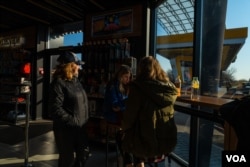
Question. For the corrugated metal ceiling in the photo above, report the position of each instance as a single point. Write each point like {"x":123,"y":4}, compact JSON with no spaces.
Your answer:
{"x":16,"y":14}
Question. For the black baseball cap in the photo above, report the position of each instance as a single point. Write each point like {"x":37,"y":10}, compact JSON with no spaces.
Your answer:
{"x":69,"y":57}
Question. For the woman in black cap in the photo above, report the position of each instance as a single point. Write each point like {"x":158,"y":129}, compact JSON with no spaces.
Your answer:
{"x":69,"y":111}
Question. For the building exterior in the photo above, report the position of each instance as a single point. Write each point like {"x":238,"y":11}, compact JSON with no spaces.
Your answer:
{"x":197,"y":44}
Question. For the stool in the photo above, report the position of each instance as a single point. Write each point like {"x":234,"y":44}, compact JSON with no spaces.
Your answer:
{"x":112,"y":130}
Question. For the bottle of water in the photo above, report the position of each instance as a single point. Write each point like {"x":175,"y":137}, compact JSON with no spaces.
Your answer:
{"x":195,"y":90}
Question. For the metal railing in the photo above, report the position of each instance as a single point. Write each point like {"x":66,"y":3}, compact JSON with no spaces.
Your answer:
{"x":196,"y":147}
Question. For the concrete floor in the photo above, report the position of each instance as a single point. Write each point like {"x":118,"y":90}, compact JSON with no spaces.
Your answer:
{"x":42,"y":151}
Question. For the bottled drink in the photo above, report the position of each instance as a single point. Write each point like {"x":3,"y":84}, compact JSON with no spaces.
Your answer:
{"x":178,"y":85}
{"x":195,"y":90}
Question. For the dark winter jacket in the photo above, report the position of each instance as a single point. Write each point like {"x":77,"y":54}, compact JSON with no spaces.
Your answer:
{"x":68,"y":102}
{"x":148,"y":121}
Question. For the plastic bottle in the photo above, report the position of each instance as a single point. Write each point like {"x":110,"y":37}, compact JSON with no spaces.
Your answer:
{"x":195,"y":89}
{"x":178,"y":85}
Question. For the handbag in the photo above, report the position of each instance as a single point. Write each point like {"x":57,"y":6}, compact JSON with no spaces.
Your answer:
{"x":131,"y":140}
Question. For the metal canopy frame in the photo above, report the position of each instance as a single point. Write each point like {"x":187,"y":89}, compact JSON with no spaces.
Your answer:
{"x":176,"y":16}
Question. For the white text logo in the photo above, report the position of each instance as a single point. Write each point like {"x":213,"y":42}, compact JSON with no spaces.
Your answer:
{"x":236,"y":158}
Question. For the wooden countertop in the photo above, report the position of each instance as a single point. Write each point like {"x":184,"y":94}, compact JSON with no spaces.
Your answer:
{"x":208,"y":101}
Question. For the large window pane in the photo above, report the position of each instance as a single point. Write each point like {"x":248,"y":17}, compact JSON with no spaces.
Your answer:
{"x":236,"y":76}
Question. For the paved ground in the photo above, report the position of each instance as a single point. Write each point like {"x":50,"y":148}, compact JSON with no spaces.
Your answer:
{"x":43,"y":153}
{"x":182,"y":148}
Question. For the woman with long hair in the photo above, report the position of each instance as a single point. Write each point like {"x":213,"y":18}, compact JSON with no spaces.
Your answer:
{"x":115,"y":95}
{"x":148,"y":122}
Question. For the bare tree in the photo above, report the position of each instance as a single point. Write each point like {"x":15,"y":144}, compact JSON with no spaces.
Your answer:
{"x":228,"y":77}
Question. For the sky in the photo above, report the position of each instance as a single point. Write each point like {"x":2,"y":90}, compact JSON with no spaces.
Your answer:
{"x":73,"y":40}
{"x":237,"y":16}
{"x":238,"y":12}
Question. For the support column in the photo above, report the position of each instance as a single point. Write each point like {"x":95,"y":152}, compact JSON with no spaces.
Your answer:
{"x":213,"y":23}
{"x":209,"y":31}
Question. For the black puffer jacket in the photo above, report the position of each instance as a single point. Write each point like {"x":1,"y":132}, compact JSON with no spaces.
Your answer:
{"x":68,"y":102}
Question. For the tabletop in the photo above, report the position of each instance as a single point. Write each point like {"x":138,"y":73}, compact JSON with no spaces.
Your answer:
{"x":230,"y":139}
{"x":208,"y":101}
